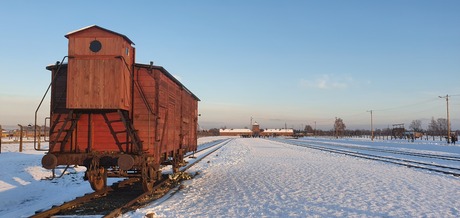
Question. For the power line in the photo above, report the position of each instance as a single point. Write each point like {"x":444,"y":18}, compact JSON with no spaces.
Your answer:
{"x":409,"y":105}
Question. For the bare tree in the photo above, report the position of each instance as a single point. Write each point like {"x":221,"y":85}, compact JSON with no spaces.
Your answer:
{"x":214,"y":131}
{"x":416,"y":125}
{"x":339,"y":127}
{"x":442,"y":123}
{"x":308,"y":129}
{"x":433,"y":127}
{"x":386,"y":132}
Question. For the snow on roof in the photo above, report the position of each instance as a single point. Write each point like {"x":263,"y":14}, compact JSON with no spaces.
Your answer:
{"x":236,"y":130}
{"x":96,"y":26}
{"x":279,"y":130}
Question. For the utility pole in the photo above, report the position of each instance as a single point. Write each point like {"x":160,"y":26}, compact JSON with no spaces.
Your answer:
{"x":448,"y":119}
{"x":372,"y":127}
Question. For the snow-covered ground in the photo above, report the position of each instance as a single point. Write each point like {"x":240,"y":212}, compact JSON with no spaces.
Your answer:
{"x":259,"y":178}
{"x":24,"y":188}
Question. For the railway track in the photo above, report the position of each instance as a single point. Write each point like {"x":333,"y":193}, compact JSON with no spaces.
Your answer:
{"x":392,"y":151}
{"x":440,"y":168}
{"x":127,"y":194}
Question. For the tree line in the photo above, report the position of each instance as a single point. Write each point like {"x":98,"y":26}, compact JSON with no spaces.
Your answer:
{"x":436,"y":127}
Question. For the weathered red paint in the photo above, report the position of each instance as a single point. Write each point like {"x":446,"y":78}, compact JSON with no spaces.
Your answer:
{"x":108,"y":111}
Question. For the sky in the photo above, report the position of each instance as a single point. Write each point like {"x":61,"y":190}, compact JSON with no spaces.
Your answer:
{"x":281,"y":63}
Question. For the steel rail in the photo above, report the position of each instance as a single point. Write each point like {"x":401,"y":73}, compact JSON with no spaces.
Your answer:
{"x":417,"y":154}
{"x":83,"y":199}
{"x":398,"y":161}
{"x":392,"y":158}
{"x":127,"y":182}
{"x":183,"y":169}
{"x":212,"y":144}
{"x":118,"y":211}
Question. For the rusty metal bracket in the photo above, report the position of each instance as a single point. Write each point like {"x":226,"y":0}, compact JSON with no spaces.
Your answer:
{"x":54,"y":173}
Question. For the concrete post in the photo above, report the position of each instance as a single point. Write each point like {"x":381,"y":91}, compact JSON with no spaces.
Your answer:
{"x":20,"y":137}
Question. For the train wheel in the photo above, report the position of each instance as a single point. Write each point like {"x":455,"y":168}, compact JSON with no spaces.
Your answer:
{"x":148,"y":178}
{"x":97,"y":178}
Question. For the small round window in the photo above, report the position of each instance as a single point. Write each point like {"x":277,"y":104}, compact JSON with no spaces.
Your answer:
{"x":95,"y":46}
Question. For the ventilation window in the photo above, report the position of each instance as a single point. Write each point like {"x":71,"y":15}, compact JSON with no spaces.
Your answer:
{"x":95,"y":46}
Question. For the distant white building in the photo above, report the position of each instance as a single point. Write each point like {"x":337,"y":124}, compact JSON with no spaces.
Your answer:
{"x":277,"y":132}
{"x":235,"y":132}
{"x":256,"y":132}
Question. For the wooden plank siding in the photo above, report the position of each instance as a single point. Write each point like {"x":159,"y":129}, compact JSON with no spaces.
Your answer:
{"x":143,"y":119}
{"x":95,"y":85}
{"x":175,"y":126}
{"x":99,"y":80}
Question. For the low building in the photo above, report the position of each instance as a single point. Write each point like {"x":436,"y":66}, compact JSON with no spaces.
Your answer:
{"x":277,"y":132}
{"x":256,"y":131}
{"x":235,"y":132}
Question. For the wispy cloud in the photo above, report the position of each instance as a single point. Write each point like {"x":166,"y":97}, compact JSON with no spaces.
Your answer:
{"x":327,"y":81}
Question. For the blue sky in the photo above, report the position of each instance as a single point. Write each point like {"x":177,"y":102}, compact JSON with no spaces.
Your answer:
{"x":280,"y":62}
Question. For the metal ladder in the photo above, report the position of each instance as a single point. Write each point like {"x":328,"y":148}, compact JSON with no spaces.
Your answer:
{"x":132,"y":135}
{"x":63,"y":129}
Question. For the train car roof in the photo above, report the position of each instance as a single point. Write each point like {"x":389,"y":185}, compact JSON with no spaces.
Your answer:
{"x":160,"y":68}
{"x":96,"y":26}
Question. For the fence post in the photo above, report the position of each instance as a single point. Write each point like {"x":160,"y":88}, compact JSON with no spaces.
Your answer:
{"x":20,"y":137}
{"x":39,"y":135}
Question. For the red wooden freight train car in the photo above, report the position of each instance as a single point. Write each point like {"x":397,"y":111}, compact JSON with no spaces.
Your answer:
{"x":114,"y":116}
